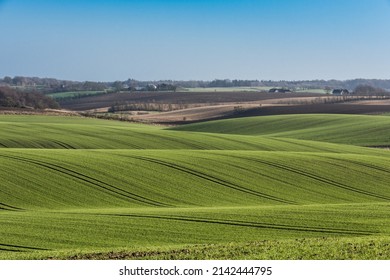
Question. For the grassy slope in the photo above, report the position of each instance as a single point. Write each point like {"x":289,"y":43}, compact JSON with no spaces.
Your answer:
{"x":347,"y":129}
{"x":46,"y":132}
{"x":76,"y":233}
{"x":171,"y":194}
{"x":60,"y":179}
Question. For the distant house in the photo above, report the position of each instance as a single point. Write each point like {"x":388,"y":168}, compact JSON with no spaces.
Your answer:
{"x":151,"y":87}
{"x":279,"y":90}
{"x":340,"y":91}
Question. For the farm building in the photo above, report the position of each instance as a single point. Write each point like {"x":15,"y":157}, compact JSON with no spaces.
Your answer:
{"x":340,"y":91}
{"x":279,"y":90}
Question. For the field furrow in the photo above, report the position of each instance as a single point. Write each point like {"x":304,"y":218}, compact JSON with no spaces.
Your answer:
{"x":9,"y":207}
{"x":17,"y":248}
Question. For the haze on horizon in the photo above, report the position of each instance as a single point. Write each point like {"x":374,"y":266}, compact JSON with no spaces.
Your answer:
{"x":195,"y":39}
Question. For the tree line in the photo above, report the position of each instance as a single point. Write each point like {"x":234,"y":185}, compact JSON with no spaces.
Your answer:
{"x":50,"y":85}
{"x":13,"y":98}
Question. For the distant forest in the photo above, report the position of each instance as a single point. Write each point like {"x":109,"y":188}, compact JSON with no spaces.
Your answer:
{"x":50,"y":85}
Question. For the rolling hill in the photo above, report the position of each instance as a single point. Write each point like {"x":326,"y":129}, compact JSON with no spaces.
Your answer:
{"x":87,"y":188}
{"x":361,"y":130}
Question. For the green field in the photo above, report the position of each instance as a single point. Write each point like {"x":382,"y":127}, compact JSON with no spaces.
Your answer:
{"x":74,"y":94}
{"x":346,"y":129}
{"x":291,"y":187}
{"x":316,"y":90}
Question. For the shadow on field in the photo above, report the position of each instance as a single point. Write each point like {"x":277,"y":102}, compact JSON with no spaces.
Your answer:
{"x":17,"y":248}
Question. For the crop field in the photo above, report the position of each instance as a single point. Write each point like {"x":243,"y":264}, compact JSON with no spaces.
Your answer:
{"x":340,"y":108}
{"x":277,"y":187}
{"x":347,"y":129}
{"x":74,"y":94}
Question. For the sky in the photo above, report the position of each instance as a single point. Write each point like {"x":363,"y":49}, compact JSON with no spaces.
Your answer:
{"x":102,"y":40}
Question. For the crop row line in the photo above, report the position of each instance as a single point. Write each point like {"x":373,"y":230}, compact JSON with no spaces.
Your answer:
{"x":173,"y":139}
{"x":7,"y":207}
{"x":18,"y":248}
{"x":63,"y":145}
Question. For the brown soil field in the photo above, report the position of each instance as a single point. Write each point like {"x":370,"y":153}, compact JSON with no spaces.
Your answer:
{"x":189,"y":107}
{"x":373,"y":102}
{"x":192,"y":114}
{"x":230,"y":111}
{"x":338,"y":108}
{"x":204,"y":98}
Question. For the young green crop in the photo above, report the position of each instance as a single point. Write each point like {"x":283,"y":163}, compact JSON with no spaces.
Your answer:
{"x":61,"y":179}
{"x":87,"y":188}
{"x":74,"y":94}
{"x":290,"y":229}
{"x":347,"y":129}
{"x":48,"y":132}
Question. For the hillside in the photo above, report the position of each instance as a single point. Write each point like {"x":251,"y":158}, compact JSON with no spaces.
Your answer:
{"x":60,"y":179}
{"x":347,"y":129}
{"x":88,"y":188}
{"x":55,"y":132}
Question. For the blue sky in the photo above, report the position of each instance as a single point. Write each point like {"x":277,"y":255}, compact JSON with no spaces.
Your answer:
{"x":195,"y":39}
